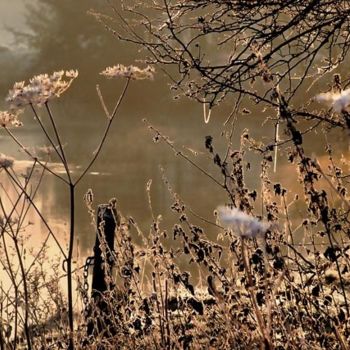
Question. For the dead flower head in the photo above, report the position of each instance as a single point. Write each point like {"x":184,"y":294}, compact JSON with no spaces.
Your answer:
{"x":131,"y":72}
{"x":339,"y":101}
{"x":241,"y":224}
{"x":5,"y":161}
{"x":9,"y":119}
{"x":41,"y":88}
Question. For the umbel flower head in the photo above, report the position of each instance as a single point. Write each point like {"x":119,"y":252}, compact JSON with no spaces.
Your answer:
{"x":5,"y":161}
{"x":241,"y":224}
{"x":41,"y":88}
{"x":131,"y":72}
{"x":339,"y":101}
{"x":9,"y":119}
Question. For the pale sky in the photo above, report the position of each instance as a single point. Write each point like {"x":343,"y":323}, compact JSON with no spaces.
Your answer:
{"x":12,"y":15}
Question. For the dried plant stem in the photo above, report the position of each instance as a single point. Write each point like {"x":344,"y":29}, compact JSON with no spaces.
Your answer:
{"x":63,"y":156}
{"x":33,"y":194}
{"x":341,"y":279}
{"x":37,"y":118}
{"x":103,"y":139}
{"x":344,"y":201}
{"x":26,"y":295}
{"x":181,"y":154}
{"x":14,"y":237}
{"x":341,"y":339}
{"x":167,"y":320}
{"x":2,"y":340}
{"x":33,"y":157}
{"x":103,"y":104}
{"x":291,"y":236}
{"x":259,"y":317}
{"x":161,"y":326}
{"x":27,"y":195}
{"x":71,"y":226}
{"x":15,"y":287}
{"x":276,"y":146}
{"x":69,"y":265}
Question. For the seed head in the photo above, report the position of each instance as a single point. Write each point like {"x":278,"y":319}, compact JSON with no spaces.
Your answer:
{"x":339,"y":101}
{"x":9,"y":119}
{"x":41,"y":88}
{"x":240,"y":223}
{"x":131,"y":72}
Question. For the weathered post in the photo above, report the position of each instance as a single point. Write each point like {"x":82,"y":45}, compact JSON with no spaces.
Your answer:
{"x":104,"y":260}
{"x":106,"y":225}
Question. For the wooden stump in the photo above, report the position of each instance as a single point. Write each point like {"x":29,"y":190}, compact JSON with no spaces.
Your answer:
{"x":99,"y":313}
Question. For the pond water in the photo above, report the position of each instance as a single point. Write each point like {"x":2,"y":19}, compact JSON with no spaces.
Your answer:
{"x":44,"y":36}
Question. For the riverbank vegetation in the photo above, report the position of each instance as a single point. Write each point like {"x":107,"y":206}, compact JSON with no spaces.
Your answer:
{"x":269,"y":268}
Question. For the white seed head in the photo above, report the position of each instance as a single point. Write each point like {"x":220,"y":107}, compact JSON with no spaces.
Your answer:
{"x":131,"y":72}
{"x":9,"y":119}
{"x":73,"y":73}
{"x":241,"y":224}
{"x":339,"y":101}
{"x":41,"y":88}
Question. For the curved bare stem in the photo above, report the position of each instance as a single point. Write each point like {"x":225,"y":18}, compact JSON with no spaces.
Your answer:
{"x":37,"y":118}
{"x":103,"y":139}
{"x":37,"y":210}
{"x":33,"y":157}
{"x":58,"y":138}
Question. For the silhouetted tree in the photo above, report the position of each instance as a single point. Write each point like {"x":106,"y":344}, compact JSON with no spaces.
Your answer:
{"x":245,"y":48}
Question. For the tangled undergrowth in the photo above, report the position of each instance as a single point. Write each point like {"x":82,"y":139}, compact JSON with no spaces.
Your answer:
{"x":263,"y":292}
{"x":244,"y":291}
{"x":254,"y":285}
{"x":267,"y":270}
{"x":252,"y":293}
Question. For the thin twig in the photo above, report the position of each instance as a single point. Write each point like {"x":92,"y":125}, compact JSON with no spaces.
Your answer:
{"x":97,"y":152}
